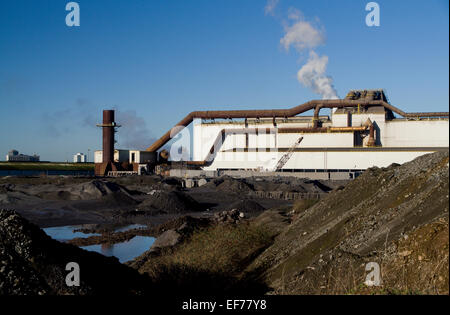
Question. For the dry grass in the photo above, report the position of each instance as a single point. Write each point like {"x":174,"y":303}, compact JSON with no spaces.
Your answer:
{"x":212,"y":261}
{"x":221,"y":248}
{"x":304,"y":204}
{"x":420,"y":265}
{"x":422,"y":261}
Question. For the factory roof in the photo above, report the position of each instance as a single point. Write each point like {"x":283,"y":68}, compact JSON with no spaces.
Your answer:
{"x":367,"y":95}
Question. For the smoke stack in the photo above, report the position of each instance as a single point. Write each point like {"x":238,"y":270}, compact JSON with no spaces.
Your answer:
{"x":109,"y":128}
{"x":108,"y":135}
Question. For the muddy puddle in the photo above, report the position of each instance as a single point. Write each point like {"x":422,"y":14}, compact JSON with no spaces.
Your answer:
{"x":124,"y":251}
{"x":66,"y":233}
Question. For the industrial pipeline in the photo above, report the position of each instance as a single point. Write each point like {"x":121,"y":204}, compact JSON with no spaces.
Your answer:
{"x":317,"y":105}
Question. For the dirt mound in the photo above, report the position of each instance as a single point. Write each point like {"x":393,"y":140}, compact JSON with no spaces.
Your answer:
{"x":104,"y":190}
{"x":33,"y":263}
{"x":324,"y":247}
{"x":230,"y":185}
{"x":317,"y":186}
{"x":57,"y":195}
{"x":289,"y":188}
{"x":96,"y":189}
{"x":172,"y":202}
{"x":289,"y":184}
{"x":9,"y":196}
{"x":246,"y":206}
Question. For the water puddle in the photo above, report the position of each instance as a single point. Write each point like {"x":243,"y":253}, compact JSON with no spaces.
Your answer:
{"x":65,"y":233}
{"x":124,"y":251}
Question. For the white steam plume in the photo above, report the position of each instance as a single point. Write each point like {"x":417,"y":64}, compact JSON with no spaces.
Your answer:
{"x":303,"y":36}
{"x":313,"y":75}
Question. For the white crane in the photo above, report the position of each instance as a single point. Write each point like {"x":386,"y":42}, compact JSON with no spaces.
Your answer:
{"x":287,"y":155}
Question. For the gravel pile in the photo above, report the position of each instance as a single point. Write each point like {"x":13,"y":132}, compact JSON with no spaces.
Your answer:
{"x":246,"y":206}
{"x":34,"y":264}
{"x":230,"y":185}
{"x":357,"y":224}
{"x":172,"y":202}
{"x":285,"y":184}
{"x":232,"y":216}
{"x":290,"y":184}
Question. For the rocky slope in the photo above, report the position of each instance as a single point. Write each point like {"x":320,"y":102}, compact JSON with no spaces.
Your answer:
{"x":32,"y":263}
{"x":326,"y":247}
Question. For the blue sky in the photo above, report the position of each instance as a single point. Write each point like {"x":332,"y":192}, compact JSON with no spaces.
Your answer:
{"x":155,"y":61}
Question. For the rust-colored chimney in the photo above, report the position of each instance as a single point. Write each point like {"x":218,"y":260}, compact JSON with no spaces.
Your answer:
{"x":108,"y":135}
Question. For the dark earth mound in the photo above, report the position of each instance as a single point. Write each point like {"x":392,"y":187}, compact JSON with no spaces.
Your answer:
{"x":32,"y":263}
{"x":230,"y":185}
{"x":173,"y":202}
{"x":246,"y":206}
{"x":326,"y":247}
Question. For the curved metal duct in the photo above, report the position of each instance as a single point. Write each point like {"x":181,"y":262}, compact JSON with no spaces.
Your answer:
{"x":294,"y":111}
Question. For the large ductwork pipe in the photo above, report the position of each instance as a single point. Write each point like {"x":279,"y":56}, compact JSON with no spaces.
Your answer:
{"x":282,"y":113}
{"x":316,"y":115}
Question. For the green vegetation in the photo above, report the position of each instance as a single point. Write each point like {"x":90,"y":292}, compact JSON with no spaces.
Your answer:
{"x":43,"y":166}
{"x":220,"y":249}
{"x":211,"y":260}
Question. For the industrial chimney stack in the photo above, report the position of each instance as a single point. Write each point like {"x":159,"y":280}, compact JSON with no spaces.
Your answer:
{"x":109,"y":128}
{"x":108,"y":135}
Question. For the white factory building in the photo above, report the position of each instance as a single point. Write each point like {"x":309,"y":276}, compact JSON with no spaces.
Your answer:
{"x":15,"y":156}
{"x":130,"y":156}
{"x":79,"y":158}
{"x":339,"y":142}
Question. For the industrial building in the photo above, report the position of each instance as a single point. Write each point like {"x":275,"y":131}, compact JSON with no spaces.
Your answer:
{"x":121,"y":155}
{"x":79,"y":158}
{"x":362,"y":130}
{"x":341,"y":143}
{"x":111,"y":161}
{"x":14,"y":156}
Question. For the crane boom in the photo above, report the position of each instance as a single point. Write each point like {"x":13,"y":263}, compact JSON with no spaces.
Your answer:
{"x":287,"y":155}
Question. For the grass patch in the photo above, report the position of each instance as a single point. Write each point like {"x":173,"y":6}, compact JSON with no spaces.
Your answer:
{"x":211,"y":261}
{"x":222,"y":248}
